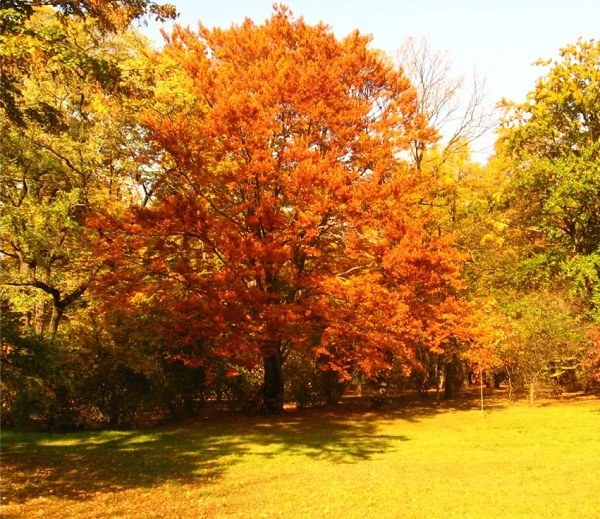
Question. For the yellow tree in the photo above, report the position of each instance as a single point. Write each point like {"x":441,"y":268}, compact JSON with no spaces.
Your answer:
{"x":71,"y":150}
{"x":551,"y":148}
{"x":70,"y":145}
{"x":548,"y":153}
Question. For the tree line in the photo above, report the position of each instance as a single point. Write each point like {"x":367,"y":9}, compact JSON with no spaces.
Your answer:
{"x":267,"y":213}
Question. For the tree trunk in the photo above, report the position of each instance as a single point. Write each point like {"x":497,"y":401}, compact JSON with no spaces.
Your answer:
{"x":57,"y":314}
{"x":510,"y":386}
{"x":481,"y":386}
{"x":532,"y":385}
{"x":273,"y":382}
{"x":38,"y":318}
{"x":449,"y":378}
{"x":439,"y":378}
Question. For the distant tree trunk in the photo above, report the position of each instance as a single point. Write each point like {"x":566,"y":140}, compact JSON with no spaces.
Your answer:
{"x":510,"y":385}
{"x":481,"y":386}
{"x":439,"y":378}
{"x":532,"y":384}
{"x":273,"y":381}
{"x":449,"y":378}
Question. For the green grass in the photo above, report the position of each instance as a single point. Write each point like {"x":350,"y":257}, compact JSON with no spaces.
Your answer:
{"x":422,"y":461}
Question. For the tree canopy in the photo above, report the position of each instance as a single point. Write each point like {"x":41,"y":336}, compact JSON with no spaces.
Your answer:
{"x":288,"y":217}
{"x":265,"y":213}
{"x":551,"y":143}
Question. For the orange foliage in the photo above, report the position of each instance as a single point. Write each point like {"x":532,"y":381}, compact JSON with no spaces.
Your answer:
{"x":289,"y":217}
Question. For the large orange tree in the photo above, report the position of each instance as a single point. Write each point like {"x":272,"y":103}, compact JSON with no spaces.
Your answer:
{"x":289,"y":218}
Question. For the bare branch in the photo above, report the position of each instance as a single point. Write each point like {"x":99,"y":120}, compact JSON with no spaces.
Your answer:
{"x":351,"y":270}
{"x":457,"y":110}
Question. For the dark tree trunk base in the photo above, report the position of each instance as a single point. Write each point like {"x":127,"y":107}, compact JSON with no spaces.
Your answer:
{"x":272,"y":394}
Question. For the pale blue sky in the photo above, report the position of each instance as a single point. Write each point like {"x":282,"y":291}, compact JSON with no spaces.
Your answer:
{"x":497,"y":38}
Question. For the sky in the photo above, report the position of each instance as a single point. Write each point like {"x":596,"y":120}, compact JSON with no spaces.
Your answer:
{"x":497,"y":40}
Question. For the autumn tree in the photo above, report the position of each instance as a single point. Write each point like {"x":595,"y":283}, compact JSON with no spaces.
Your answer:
{"x":288,"y":220}
{"x":452,"y":104}
{"x":455,"y":105}
{"x":107,"y":16}
{"x":543,"y":340}
{"x":551,"y":145}
{"x":547,"y":268}
{"x":72,"y":151}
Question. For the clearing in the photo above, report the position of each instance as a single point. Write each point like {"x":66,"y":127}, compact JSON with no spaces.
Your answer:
{"x":343,"y":462}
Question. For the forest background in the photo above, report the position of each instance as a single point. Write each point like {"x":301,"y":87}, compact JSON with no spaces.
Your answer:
{"x":270,"y":213}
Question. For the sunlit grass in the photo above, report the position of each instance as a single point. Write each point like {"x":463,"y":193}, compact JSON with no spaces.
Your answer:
{"x":423,"y":461}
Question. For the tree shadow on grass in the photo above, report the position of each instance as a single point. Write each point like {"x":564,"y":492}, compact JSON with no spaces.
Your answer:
{"x":324,"y":436}
{"x":199,"y":452}
{"x":77,"y":466}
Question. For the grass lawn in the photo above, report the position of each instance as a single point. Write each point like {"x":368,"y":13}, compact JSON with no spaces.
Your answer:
{"x":421,"y":461}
